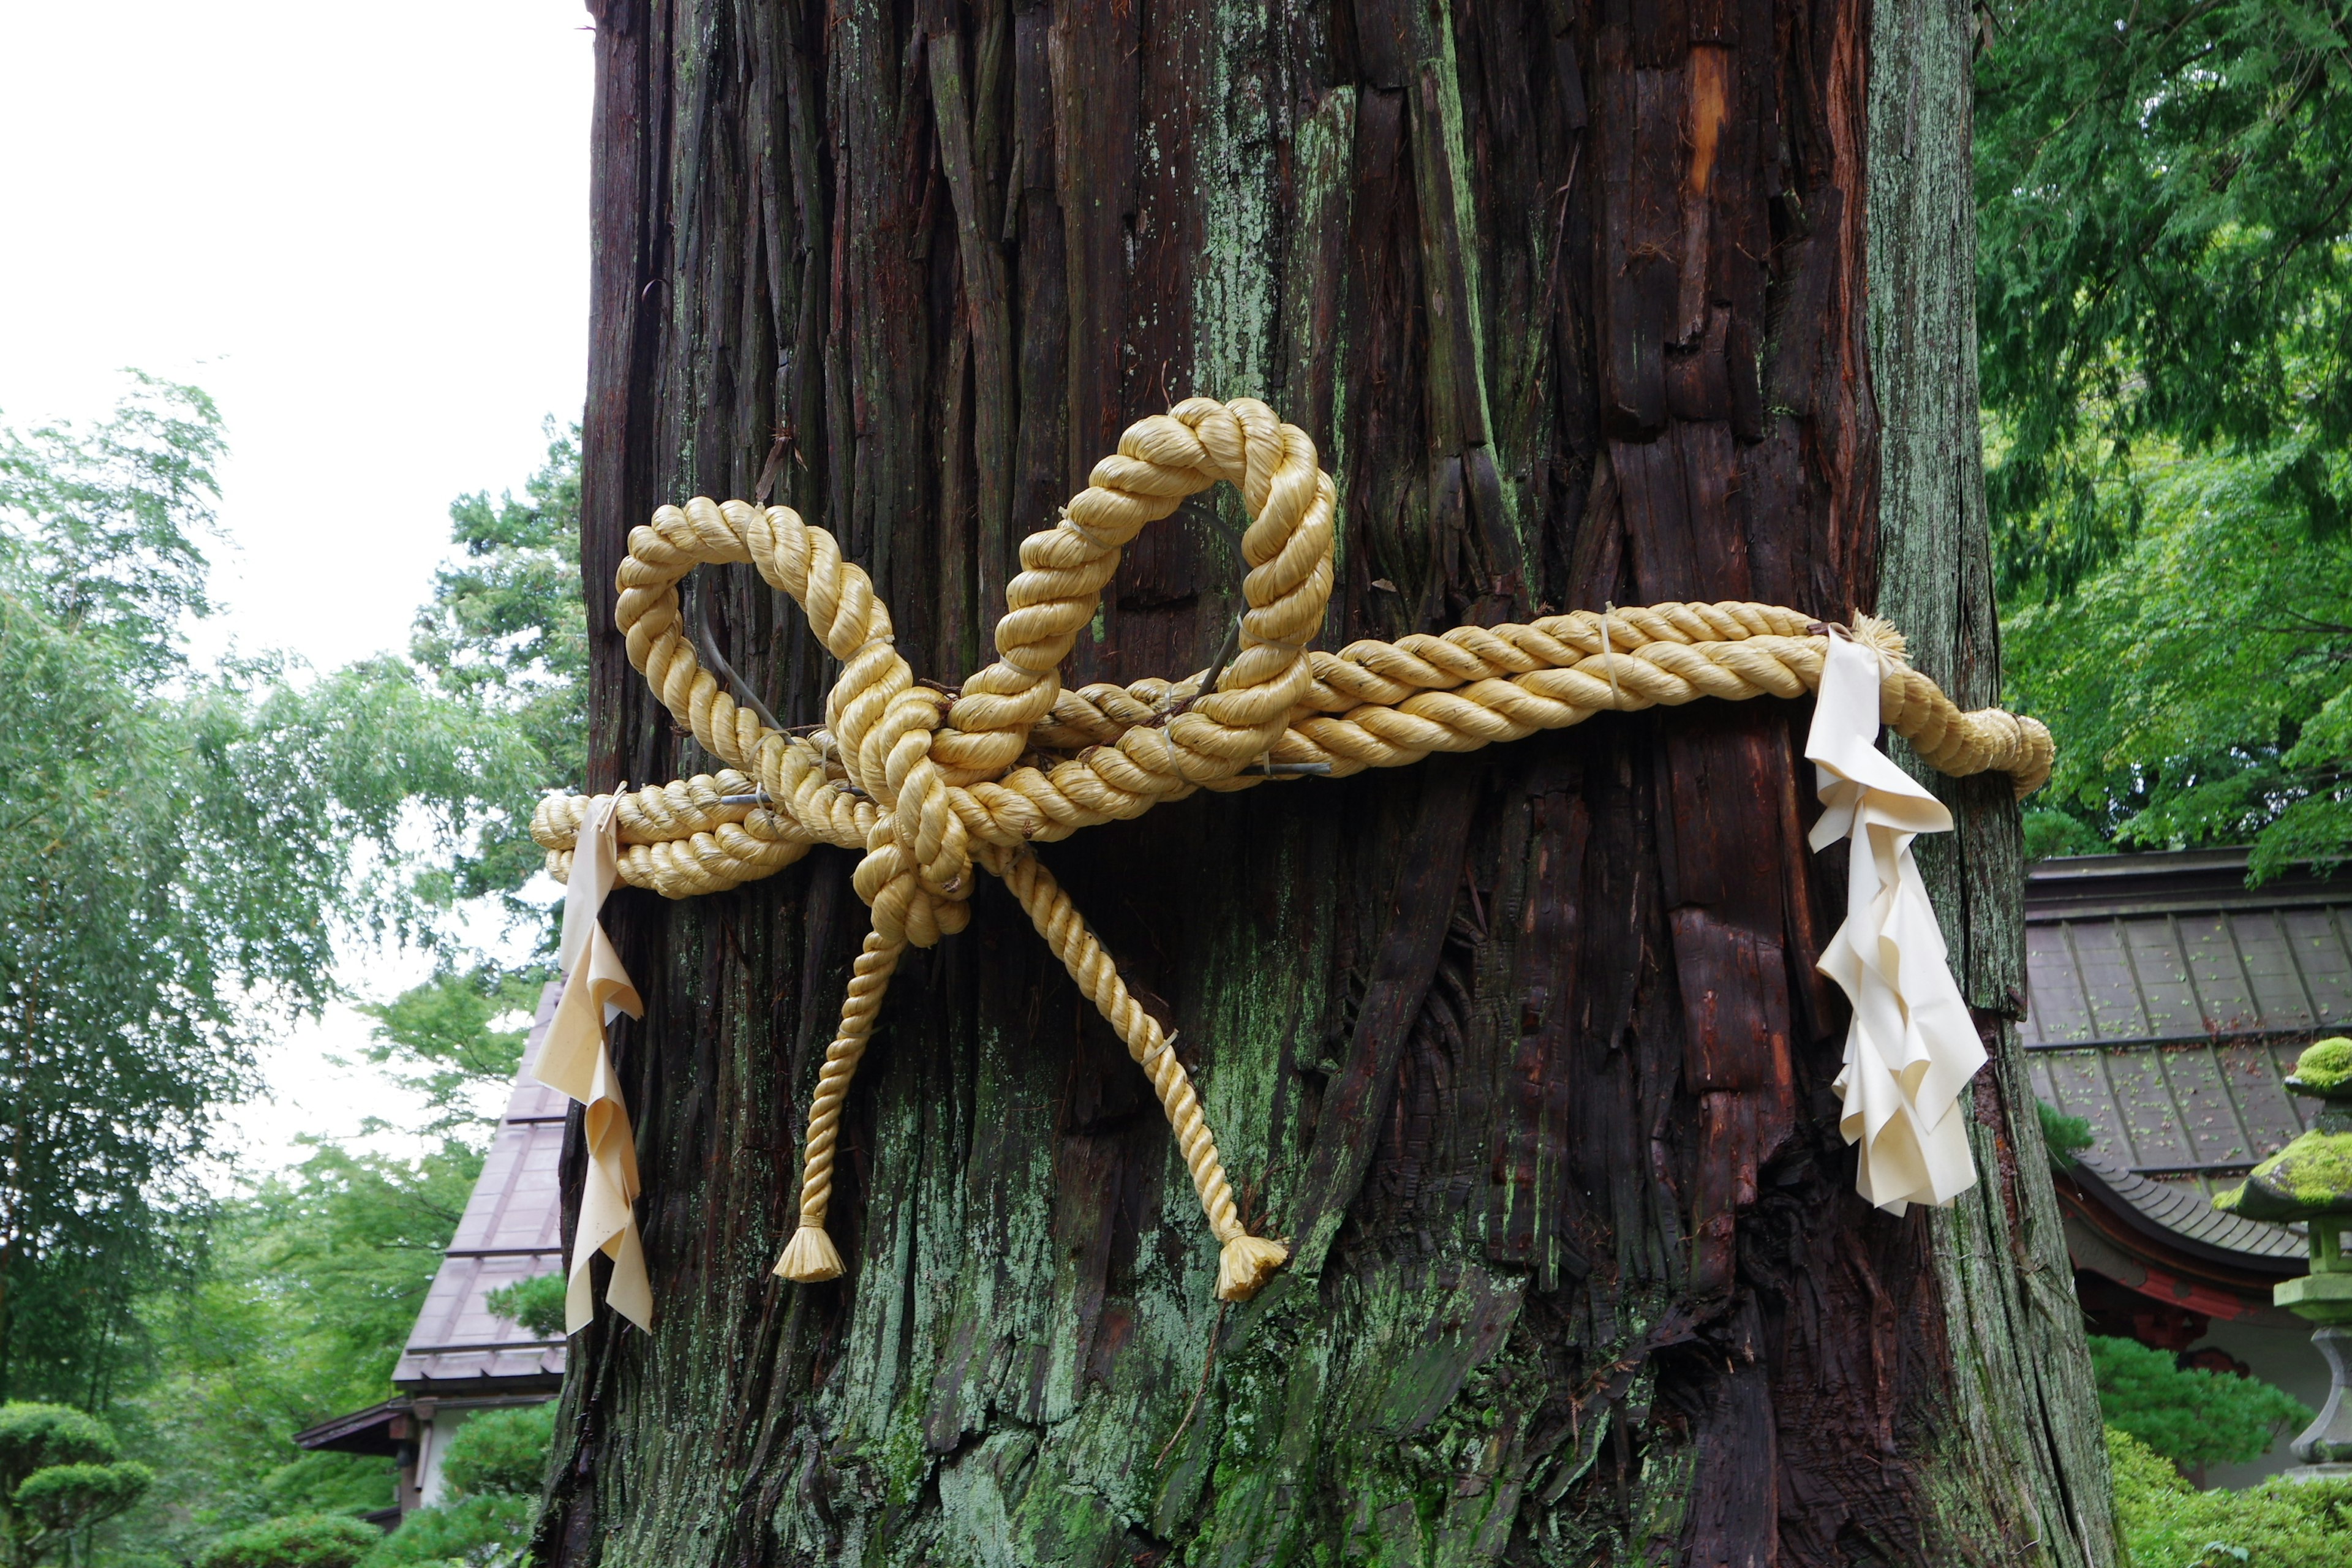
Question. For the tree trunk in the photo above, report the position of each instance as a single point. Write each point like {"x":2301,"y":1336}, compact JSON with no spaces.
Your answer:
{"x":1524,"y":1050}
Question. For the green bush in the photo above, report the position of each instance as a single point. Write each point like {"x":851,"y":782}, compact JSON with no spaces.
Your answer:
{"x":303,"y":1541}
{"x":61,"y":1471}
{"x":485,"y":1532}
{"x":536,"y":1303}
{"x":2193,"y":1416}
{"x":2167,"y":1523}
{"x":493,"y":1470}
{"x":2067,"y":1135}
{"x":500,"y":1451}
{"x":35,"y":1437}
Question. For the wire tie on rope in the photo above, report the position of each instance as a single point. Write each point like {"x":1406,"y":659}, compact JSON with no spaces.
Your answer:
{"x":1609,"y":655}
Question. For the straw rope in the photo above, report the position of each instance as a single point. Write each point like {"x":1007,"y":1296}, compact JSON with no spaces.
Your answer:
{"x":930,"y":783}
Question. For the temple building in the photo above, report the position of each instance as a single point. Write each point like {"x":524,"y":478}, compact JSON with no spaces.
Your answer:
{"x":2168,"y":1003}
{"x":463,"y":1357}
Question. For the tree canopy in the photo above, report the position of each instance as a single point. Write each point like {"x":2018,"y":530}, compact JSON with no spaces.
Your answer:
{"x":2165,"y":317}
{"x":187,"y":846}
{"x":182,"y":849}
{"x":2163,"y":188}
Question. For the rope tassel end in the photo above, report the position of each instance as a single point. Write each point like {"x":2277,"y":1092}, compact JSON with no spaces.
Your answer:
{"x":1246,"y":1264}
{"x":810,"y":1258}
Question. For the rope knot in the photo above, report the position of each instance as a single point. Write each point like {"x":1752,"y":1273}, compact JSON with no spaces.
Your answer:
{"x":927,"y":781}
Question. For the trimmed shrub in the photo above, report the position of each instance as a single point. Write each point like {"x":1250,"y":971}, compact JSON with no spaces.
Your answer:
{"x":500,"y":1451}
{"x":301,"y":1541}
{"x":2167,"y":1523}
{"x":2191,"y":1417}
{"x":485,"y":1532}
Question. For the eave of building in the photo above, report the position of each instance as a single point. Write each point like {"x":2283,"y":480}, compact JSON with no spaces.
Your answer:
{"x":379,"y":1430}
{"x":2212,"y":1262}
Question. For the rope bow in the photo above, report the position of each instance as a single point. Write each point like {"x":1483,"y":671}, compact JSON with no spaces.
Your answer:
{"x":932,"y":784}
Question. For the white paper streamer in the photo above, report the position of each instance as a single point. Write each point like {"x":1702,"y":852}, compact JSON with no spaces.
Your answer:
{"x":1912,"y":1046}
{"x":573,"y":1061}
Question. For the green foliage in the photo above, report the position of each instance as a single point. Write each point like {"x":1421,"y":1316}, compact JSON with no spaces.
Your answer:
{"x":2189,"y":1415}
{"x":2165,"y":310}
{"x":507,"y":636}
{"x":2064,"y":1134}
{"x":441,"y":1039}
{"x":65,"y":1498}
{"x":314,"y":1283}
{"x":2161,"y":199}
{"x":493,"y":1469}
{"x":104,"y":526}
{"x":500,"y":1451}
{"x":2200,"y":687}
{"x":184,"y":849}
{"x":181,"y":851}
{"x":61,"y":1471}
{"x":489,"y":1531}
{"x":2167,"y":1523}
{"x":36,"y":1436}
{"x":536,"y":1303}
{"x":301,"y":1541}
{"x":2050,"y":833}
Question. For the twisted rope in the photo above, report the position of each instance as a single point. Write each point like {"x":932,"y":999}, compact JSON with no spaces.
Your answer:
{"x":928,"y":785}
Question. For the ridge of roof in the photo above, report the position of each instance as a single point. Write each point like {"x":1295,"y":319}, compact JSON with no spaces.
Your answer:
{"x":2168,"y":881}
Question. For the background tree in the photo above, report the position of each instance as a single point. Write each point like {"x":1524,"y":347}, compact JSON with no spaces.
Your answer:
{"x":182,"y":849}
{"x":505,"y":634}
{"x":310,"y":1284}
{"x":186,"y":848}
{"x":61,"y":1471}
{"x":2166,"y":191}
{"x":1523,"y":1051}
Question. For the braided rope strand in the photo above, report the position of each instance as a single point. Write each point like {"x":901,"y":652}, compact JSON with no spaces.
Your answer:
{"x":1244,"y":1260}
{"x":931,"y":787}
{"x":810,"y":1255}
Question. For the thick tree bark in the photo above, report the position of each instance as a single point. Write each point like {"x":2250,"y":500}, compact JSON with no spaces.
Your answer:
{"x":1524,"y":1050}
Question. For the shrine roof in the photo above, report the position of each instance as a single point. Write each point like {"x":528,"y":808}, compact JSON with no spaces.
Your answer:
{"x":2166,"y":1002}
{"x":511,"y":1231}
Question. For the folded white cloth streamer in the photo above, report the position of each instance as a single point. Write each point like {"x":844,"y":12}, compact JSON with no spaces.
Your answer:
{"x":574,"y":1061}
{"x":1912,"y":1046}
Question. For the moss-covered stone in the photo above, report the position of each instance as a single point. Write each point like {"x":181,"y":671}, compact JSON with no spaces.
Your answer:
{"x":2324,"y":1068}
{"x":2312,"y":1175}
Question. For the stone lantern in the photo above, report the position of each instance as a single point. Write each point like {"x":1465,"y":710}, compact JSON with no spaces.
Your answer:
{"x":2311,"y":1180}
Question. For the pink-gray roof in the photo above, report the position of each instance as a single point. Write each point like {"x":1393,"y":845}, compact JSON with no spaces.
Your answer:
{"x":511,"y":1230}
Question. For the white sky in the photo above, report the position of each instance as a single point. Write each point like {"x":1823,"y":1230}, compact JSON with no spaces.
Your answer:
{"x":363,"y":230}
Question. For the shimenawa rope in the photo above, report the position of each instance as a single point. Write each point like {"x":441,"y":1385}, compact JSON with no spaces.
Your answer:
{"x":929,"y":784}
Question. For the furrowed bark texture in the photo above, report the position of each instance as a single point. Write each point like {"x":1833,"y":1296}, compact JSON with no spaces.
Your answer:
{"x":1524,"y":1050}
{"x":2023,"y":1456}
